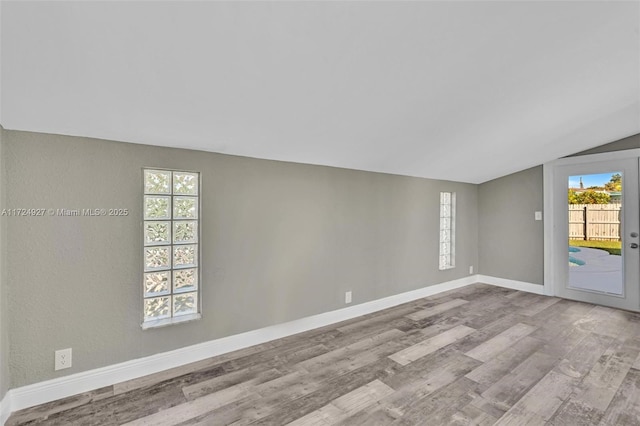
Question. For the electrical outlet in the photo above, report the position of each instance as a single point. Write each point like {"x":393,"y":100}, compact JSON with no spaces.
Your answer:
{"x":471,"y":270}
{"x":63,"y":359}
{"x":347,"y":297}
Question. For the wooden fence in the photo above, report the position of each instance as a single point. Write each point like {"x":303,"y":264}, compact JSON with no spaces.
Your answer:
{"x":594,"y":222}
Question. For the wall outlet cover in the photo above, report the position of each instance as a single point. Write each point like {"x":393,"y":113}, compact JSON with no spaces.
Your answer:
{"x":63,"y":359}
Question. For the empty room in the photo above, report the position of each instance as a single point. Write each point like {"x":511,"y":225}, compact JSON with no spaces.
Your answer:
{"x":319,"y":213}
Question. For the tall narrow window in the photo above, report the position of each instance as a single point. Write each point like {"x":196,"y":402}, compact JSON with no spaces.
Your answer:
{"x":170,"y":223}
{"x":447,"y":230}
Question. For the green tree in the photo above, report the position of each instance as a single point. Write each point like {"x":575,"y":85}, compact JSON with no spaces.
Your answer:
{"x":573,"y":197}
{"x":615,"y":183}
{"x":588,"y":197}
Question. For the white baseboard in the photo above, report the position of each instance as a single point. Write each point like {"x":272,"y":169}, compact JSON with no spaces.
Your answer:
{"x":51,"y":390}
{"x":512,"y":284}
{"x":5,"y":408}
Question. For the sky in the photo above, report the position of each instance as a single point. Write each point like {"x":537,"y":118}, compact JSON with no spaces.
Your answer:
{"x":590,"y":180}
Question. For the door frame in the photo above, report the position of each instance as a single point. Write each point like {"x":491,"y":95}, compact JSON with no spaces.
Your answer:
{"x":551,"y":254}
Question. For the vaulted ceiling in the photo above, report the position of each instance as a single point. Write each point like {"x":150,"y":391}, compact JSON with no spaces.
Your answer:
{"x":465,"y":91}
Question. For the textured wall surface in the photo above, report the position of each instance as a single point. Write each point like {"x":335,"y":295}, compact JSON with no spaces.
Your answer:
{"x":510,"y":241}
{"x":280,"y":241}
{"x":4,"y":325}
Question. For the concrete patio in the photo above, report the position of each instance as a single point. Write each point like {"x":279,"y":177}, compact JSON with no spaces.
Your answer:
{"x":601,"y":271}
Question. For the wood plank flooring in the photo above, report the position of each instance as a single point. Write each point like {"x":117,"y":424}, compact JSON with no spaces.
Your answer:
{"x":480,"y":355}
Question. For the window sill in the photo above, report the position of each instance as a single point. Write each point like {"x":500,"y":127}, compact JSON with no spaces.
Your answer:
{"x":170,"y":321}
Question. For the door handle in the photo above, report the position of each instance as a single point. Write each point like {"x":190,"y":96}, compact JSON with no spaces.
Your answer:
{"x":633,"y":245}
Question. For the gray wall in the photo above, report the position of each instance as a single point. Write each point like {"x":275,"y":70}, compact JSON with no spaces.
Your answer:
{"x":510,"y":241}
{"x":280,"y":241}
{"x":631,"y":142}
{"x":4,"y":326}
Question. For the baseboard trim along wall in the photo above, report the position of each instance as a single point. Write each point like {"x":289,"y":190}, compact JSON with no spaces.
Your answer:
{"x":512,"y":284}
{"x":5,"y":408}
{"x":51,"y":390}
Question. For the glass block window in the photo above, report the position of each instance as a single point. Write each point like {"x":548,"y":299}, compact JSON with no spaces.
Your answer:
{"x":171,"y":243}
{"x":447,"y":230}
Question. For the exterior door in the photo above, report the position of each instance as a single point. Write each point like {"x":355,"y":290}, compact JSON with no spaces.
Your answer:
{"x":596,"y":239}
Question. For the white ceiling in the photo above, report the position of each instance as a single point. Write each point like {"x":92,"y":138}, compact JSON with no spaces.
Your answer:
{"x":465,"y":91}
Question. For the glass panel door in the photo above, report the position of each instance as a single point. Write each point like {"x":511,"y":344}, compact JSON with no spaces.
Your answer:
{"x":597,"y":237}
{"x":595,"y":241}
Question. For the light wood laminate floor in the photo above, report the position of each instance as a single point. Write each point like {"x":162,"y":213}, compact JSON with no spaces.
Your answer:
{"x":480,"y":355}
